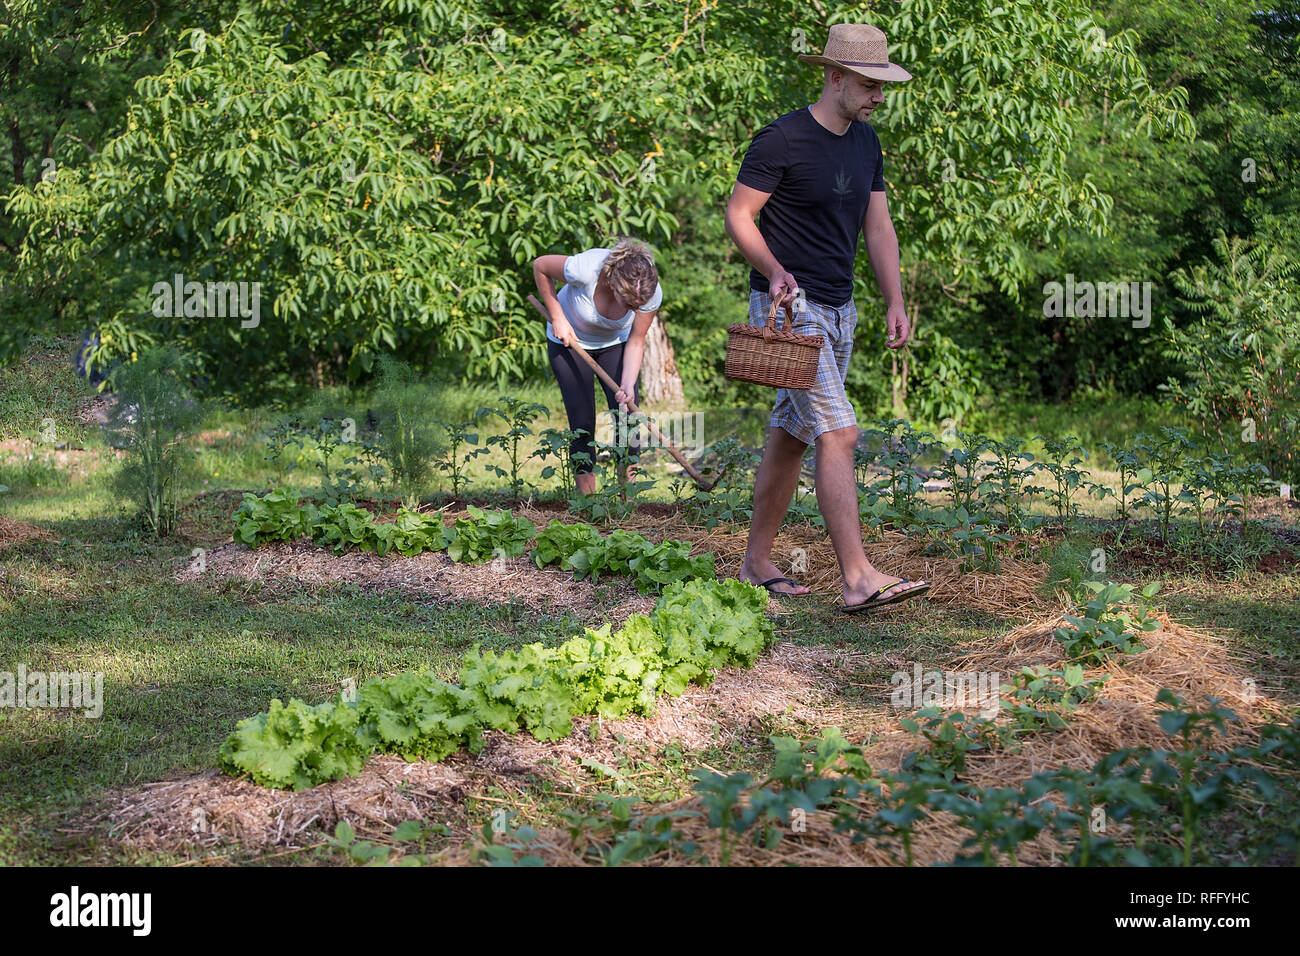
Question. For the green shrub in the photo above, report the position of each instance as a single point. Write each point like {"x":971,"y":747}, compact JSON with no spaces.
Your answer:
{"x":154,"y":415}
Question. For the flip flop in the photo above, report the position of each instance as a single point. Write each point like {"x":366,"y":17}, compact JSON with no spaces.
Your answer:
{"x":770,"y":581}
{"x":872,"y":601}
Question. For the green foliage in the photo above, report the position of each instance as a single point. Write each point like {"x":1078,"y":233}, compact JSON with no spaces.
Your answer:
{"x":155,"y":414}
{"x":343,"y":526}
{"x":1041,"y":698}
{"x":518,"y":416}
{"x":407,"y":441}
{"x":1167,"y":456}
{"x":559,"y":540}
{"x":1241,"y":352}
{"x":1106,"y":628}
{"x":417,"y":716}
{"x":555,"y":443}
{"x":275,"y":516}
{"x":394,"y":198}
{"x":483,"y":535}
{"x":1012,"y":471}
{"x":580,"y":548}
{"x":414,"y":533}
{"x":695,"y":626}
{"x":1064,"y":456}
{"x":458,"y":435}
{"x":731,"y":500}
{"x":710,"y":624}
{"x":296,"y":745}
{"x":523,"y":688}
{"x":343,"y":460}
{"x":614,"y":675}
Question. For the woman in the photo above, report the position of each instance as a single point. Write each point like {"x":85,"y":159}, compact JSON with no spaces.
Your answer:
{"x":609,"y":299}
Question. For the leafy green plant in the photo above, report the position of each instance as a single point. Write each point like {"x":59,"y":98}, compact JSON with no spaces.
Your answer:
{"x":519,"y":417}
{"x":1165,"y":455}
{"x":338,"y":455}
{"x":1106,"y":628}
{"x":999,"y":818}
{"x":1041,"y":698}
{"x":406,"y":441}
{"x":900,"y":449}
{"x":523,"y":688}
{"x":343,"y":526}
{"x":458,"y":436}
{"x":1012,"y":470}
{"x":154,"y":415}
{"x":559,"y":540}
{"x":961,"y":469}
{"x":276,"y":516}
{"x":359,"y":851}
{"x":1064,"y":458}
{"x":514,"y":849}
{"x":483,"y":535}
{"x":1196,"y":792}
{"x":556,"y":443}
{"x":296,"y":745}
{"x":1131,"y":480}
{"x":730,"y":501}
{"x":413,"y":533}
{"x":417,"y":716}
{"x":951,"y":737}
{"x":977,"y":542}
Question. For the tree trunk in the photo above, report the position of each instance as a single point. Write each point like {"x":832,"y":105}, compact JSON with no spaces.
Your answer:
{"x":661,"y":384}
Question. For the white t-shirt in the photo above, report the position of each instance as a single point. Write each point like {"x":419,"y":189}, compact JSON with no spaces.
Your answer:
{"x":577,"y":299}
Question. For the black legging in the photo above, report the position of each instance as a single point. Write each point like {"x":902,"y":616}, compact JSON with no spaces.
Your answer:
{"x":576,"y":378}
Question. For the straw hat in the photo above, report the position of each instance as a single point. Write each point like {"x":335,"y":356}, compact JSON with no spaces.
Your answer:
{"x":859,"y":49}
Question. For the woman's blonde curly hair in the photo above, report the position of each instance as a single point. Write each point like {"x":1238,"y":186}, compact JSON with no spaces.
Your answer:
{"x":630,"y":271}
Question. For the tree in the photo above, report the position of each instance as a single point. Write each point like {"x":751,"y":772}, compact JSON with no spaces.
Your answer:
{"x":1242,"y":352}
{"x":385,"y":178}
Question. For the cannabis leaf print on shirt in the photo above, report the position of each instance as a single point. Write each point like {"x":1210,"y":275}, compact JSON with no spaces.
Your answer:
{"x":842,"y":181}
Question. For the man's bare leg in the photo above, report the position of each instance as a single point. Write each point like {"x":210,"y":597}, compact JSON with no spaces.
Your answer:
{"x":837,"y":498}
{"x":774,"y":485}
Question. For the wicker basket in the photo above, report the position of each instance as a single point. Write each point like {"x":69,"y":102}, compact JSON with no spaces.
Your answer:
{"x":772,"y":356}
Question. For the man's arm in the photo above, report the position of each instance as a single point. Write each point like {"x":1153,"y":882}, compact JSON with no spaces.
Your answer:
{"x":742,"y":210}
{"x":882,"y":250}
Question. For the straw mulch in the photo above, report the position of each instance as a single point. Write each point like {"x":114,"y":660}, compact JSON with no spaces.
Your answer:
{"x":804,"y":552}
{"x":1018,"y":590}
{"x":13,"y":532}
{"x":430,"y":576}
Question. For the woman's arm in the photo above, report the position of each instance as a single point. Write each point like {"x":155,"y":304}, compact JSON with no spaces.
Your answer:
{"x":633,"y":351}
{"x":547,"y":270}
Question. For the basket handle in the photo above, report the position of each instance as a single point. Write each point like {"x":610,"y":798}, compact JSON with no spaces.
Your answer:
{"x":771,"y":317}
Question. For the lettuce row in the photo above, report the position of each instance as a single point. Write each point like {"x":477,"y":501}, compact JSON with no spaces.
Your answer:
{"x":695,"y":628}
{"x":475,"y":538}
{"x":581,"y":549}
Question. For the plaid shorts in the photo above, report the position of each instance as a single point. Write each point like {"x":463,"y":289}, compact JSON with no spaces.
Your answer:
{"x":807,"y":413}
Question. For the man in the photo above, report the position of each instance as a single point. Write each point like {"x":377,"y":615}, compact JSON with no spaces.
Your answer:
{"x":816,"y":176}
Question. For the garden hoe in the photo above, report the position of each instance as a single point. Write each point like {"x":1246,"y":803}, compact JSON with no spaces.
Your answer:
{"x":654,"y":429}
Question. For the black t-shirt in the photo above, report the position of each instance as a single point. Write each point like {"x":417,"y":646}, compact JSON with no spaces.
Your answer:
{"x":820,"y":185}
